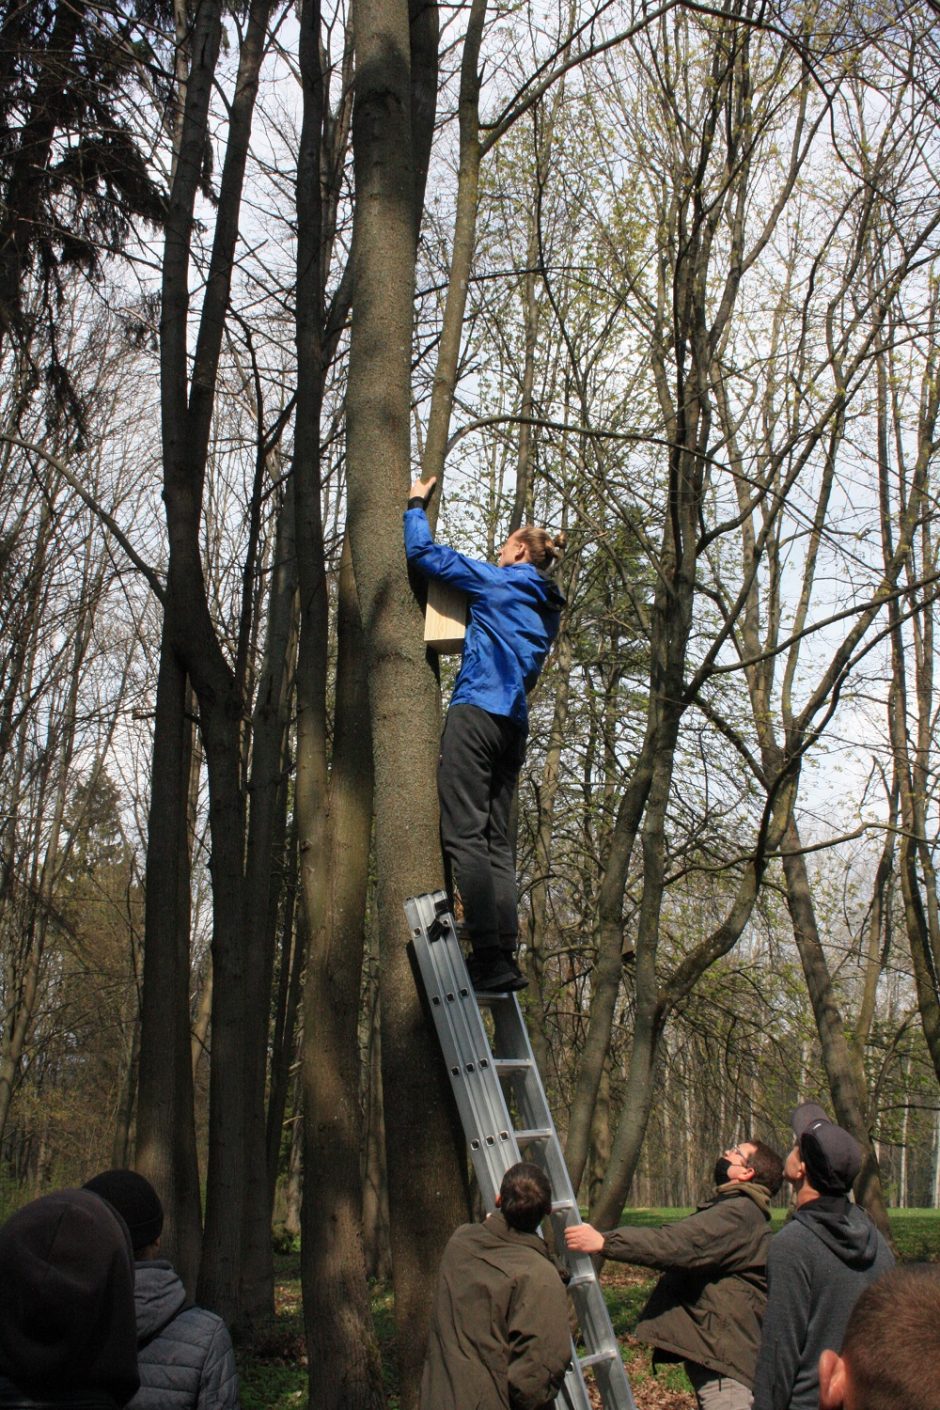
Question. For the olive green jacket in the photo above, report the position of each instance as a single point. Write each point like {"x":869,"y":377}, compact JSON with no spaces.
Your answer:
{"x":708,"y":1305}
{"x":500,"y":1337}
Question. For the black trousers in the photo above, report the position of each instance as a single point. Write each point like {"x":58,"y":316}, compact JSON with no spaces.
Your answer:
{"x":481,"y":755}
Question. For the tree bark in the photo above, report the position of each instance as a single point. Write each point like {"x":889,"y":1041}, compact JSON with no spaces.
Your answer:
{"x":421,"y":1139}
{"x":345,"y":1367}
{"x":264,"y":873}
{"x":166,"y":1129}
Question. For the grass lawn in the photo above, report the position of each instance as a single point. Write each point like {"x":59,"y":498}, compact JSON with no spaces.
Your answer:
{"x":273,"y":1368}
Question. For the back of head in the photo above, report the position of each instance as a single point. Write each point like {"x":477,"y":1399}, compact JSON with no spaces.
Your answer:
{"x":135,"y":1200}
{"x":891,"y":1347}
{"x":67,"y":1318}
{"x":767,"y":1166}
{"x":831,"y":1155}
{"x":525,"y":1196}
{"x":544,"y":550}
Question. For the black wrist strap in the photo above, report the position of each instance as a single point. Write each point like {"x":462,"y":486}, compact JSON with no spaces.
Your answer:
{"x":417,"y":501}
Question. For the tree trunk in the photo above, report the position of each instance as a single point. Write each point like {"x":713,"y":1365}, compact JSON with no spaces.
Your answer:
{"x":166,"y":1131}
{"x":293,"y":951}
{"x":542,"y":853}
{"x":420,"y":1129}
{"x":264,"y":864}
{"x":345,"y":1367}
{"x":843,"y":1070}
{"x":187,"y":404}
{"x":375,"y":1231}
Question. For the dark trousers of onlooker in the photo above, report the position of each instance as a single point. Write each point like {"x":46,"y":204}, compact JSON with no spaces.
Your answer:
{"x":481,"y":755}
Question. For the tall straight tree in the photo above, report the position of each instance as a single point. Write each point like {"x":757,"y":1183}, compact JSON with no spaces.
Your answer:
{"x":392,"y":124}
{"x":191,"y":650}
{"x":333,"y":792}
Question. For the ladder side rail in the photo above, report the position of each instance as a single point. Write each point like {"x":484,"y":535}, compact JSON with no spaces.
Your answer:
{"x":493,"y":1141}
{"x":480,"y":1101}
{"x":511,"y":1041}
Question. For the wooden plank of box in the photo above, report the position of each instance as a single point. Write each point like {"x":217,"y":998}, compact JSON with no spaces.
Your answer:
{"x":445,"y":617}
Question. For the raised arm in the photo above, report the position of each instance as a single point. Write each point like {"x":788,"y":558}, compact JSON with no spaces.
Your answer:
{"x":436,"y":560}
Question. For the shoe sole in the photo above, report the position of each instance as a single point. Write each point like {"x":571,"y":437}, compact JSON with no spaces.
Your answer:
{"x":513,"y":986}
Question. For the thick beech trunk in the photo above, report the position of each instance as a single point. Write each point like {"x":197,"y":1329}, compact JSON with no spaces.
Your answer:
{"x":420,"y":1132}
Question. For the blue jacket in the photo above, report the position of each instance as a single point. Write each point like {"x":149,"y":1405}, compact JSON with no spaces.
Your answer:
{"x":513,"y":620}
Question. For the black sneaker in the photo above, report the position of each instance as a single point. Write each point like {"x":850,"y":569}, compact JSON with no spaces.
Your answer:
{"x":520,"y":981}
{"x":494,"y":976}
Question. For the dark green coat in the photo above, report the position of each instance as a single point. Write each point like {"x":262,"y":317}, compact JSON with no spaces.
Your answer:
{"x":708,"y":1305}
{"x":500,"y":1337}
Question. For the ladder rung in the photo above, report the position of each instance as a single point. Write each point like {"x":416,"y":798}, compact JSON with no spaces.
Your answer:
{"x":538,"y":1133}
{"x":578,"y":1280}
{"x":596,"y":1358}
{"x":512,"y":1065}
{"x":559,"y":1206}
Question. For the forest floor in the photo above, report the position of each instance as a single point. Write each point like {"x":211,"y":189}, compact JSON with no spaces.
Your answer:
{"x":273,"y":1367}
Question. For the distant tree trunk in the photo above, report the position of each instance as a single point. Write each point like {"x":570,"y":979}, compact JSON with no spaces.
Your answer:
{"x":187,"y":404}
{"x":345,"y":1367}
{"x":375,"y":1231}
{"x":843,"y":1069}
{"x":122,"y":1143}
{"x":293,"y":1192}
{"x":199,"y":1045}
{"x":166,"y":1130}
{"x":542,"y":851}
{"x":607,"y":974}
{"x":404,"y":703}
{"x":912,"y":711}
{"x":264,"y":860}
{"x":293,"y":949}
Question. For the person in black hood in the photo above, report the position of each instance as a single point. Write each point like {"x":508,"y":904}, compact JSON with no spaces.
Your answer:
{"x":184,"y":1352}
{"x":818,"y":1266}
{"x":67,"y":1332}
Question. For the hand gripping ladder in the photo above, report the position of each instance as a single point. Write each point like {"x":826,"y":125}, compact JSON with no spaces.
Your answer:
{"x":486,"y":1088}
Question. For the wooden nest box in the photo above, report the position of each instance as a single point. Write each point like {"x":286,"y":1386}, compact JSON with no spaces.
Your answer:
{"x":445,"y":617}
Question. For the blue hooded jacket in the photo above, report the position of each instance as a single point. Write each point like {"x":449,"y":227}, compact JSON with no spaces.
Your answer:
{"x":513,"y":620}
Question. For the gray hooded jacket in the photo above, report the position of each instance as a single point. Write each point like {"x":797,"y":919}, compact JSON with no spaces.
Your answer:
{"x":817,"y":1267}
{"x":184,"y":1353}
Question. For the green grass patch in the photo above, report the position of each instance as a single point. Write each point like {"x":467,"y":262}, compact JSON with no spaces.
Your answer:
{"x":916,"y":1234}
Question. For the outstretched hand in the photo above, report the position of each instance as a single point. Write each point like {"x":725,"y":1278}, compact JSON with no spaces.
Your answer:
{"x":423,"y":489}
{"x":584,"y":1238}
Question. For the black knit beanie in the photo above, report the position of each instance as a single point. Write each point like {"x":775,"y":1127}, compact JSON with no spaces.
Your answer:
{"x":135,"y":1200}
{"x":67,"y":1319}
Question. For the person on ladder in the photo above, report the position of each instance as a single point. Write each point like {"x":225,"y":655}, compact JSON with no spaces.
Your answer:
{"x":514,"y":609}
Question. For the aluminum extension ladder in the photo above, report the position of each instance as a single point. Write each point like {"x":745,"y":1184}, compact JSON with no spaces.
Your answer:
{"x":486,"y":1087}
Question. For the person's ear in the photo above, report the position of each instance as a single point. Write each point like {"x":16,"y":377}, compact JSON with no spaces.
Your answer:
{"x":499,"y":1200}
{"x":831,"y":1381}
